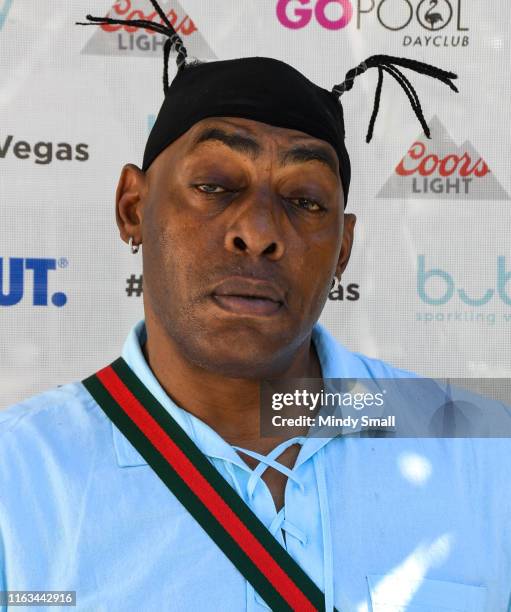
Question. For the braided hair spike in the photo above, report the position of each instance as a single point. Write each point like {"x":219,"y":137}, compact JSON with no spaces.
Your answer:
{"x":173,"y":41}
{"x":388,"y":64}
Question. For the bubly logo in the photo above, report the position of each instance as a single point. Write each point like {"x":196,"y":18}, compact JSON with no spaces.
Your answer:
{"x":438,"y":168}
{"x":121,"y":39}
{"x":448,"y":286}
{"x":30,"y":275}
{"x":5,"y":5}
{"x":391,"y":15}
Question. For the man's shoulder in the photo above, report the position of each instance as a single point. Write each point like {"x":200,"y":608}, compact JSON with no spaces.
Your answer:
{"x":377,"y":368}
{"x":342,"y":362}
{"x":52,"y":421}
{"x":51,"y":447}
{"x":65,"y":400}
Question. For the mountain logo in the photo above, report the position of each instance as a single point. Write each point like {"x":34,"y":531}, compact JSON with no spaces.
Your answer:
{"x":437,"y":168}
{"x":120,"y":39}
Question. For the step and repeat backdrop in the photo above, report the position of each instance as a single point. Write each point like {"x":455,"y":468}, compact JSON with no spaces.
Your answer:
{"x":428,"y":287}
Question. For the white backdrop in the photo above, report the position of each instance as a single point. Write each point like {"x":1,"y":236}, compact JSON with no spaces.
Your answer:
{"x":429,"y":284}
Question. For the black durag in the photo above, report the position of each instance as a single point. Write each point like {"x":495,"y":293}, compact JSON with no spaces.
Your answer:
{"x":263,"y":89}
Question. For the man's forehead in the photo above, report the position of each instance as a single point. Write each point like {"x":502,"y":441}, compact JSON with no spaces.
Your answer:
{"x":255,"y":130}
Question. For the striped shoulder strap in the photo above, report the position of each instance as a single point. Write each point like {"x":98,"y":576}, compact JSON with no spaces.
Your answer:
{"x":202,"y":490}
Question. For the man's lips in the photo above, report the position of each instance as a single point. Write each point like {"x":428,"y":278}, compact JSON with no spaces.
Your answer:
{"x":243,"y":295}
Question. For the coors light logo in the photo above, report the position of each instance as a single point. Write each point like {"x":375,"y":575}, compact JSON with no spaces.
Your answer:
{"x":127,"y":40}
{"x":437,"y":168}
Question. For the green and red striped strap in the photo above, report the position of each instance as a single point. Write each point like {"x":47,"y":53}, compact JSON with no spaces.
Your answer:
{"x":202,"y":490}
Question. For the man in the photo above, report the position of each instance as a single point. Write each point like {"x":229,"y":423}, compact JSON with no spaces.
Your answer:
{"x":243,"y":228}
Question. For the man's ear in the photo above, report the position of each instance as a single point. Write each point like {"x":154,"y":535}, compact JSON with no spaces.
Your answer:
{"x":347,"y":242}
{"x":130,"y":194}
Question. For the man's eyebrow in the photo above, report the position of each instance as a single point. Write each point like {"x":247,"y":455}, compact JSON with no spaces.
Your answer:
{"x":306,"y":153}
{"x":237,"y":142}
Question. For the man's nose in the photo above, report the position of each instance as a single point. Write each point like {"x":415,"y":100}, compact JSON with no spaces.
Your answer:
{"x":256,"y":228}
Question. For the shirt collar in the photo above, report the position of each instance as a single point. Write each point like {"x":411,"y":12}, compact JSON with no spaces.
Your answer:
{"x":336,"y":362}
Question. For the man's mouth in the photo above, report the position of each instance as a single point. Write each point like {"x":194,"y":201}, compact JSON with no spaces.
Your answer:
{"x":247,"y":305}
{"x":247,"y":296}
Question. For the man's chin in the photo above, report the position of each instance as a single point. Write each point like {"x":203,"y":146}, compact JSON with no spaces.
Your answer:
{"x":240,"y":351}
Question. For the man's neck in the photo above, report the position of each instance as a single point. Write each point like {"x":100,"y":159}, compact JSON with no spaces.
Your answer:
{"x":230,"y":406}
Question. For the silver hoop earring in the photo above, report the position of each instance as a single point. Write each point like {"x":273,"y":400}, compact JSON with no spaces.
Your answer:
{"x":134,"y":247}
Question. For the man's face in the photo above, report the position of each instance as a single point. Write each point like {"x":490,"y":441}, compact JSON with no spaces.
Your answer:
{"x":242,"y":228}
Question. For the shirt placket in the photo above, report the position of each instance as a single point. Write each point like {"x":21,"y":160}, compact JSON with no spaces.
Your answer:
{"x":253,"y":490}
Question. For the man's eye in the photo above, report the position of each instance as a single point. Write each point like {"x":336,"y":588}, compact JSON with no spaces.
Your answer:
{"x":210,"y":188}
{"x":307,"y":204}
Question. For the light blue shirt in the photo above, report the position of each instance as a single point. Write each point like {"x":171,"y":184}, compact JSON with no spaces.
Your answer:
{"x":379,"y":524}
